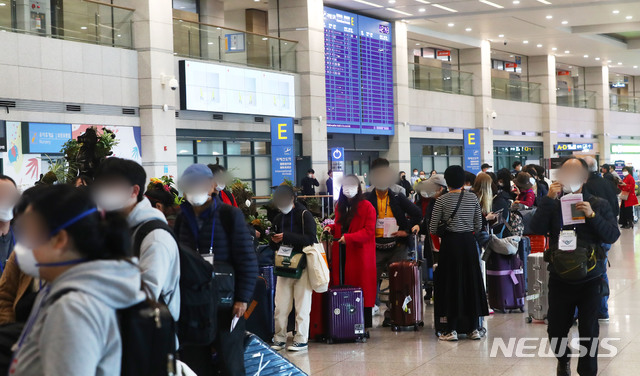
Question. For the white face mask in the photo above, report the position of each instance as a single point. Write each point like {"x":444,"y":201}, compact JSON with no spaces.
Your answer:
{"x":286,"y":209}
{"x":197,"y":199}
{"x":309,"y":175}
{"x":415,"y":173}
{"x":467,"y":187}
{"x":26,"y":260}
{"x":625,"y":173}
{"x":6,"y":213}
{"x":350,"y":192}
{"x":423,"y":177}
{"x":532,"y":181}
{"x":220,"y":187}
{"x":571,"y":188}
{"x":114,"y":200}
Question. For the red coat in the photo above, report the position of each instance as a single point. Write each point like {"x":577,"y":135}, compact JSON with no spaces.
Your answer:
{"x":631,"y":188}
{"x":360,"y":266}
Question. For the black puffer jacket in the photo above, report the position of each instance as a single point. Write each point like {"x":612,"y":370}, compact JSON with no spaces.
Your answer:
{"x":290,"y":225}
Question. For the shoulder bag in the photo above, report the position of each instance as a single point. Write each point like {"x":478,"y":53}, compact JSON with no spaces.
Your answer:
{"x":444,"y":223}
{"x":291,"y":266}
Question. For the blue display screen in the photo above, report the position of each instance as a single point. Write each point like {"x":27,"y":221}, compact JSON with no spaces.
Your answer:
{"x":48,"y":138}
{"x":359,"y":74}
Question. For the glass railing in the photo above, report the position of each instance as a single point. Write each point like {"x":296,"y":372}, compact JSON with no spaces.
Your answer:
{"x":210,"y":42}
{"x":424,"y":77}
{"x":624,"y":103}
{"x":576,"y":98}
{"x":78,"y":20}
{"x":514,"y":90}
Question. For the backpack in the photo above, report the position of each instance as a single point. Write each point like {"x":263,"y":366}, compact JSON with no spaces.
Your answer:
{"x":198,"y":291}
{"x":147,"y":333}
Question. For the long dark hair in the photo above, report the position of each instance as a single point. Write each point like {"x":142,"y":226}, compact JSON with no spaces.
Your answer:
{"x":96,"y":236}
{"x":344,"y":204}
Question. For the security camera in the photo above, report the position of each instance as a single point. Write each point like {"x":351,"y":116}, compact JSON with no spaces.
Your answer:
{"x":173,"y":84}
{"x":494,"y":115}
{"x":505,"y":42}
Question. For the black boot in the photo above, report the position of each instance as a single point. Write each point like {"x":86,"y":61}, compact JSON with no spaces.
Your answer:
{"x":564,"y":368}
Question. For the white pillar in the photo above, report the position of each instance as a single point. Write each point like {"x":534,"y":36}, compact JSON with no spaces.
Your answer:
{"x":597,"y":79}
{"x":542,"y":69}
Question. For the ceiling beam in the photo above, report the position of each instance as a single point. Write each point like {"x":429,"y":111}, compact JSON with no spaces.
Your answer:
{"x":468,"y":41}
{"x":606,"y":28}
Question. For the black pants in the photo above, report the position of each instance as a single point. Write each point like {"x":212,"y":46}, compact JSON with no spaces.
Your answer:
{"x":229,"y":347}
{"x":626,"y":215}
{"x":564,"y":298}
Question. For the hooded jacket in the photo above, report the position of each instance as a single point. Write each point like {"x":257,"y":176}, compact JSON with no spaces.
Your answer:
{"x":159,"y":257}
{"x":77,"y":333}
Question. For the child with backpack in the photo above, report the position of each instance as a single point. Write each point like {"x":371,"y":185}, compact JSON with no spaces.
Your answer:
{"x":84,"y":320}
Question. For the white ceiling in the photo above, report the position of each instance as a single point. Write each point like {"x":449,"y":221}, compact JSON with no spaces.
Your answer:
{"x":585,"y":20}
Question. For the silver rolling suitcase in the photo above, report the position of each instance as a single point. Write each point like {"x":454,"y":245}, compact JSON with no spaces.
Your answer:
{"x":538,"y":283}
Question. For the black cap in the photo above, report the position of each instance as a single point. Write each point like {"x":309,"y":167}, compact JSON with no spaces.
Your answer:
{"x":486,"y":165}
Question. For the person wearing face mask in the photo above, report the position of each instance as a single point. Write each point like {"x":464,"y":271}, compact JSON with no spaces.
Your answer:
{"x":404,"y":183}
{"x":628,"y":197}
{"x":220,"y":186}
{"x":583,"y":292}
{"x":119,"y":187}
{"x":524,"y":190}
{"x":220,"y":234}
{"x":414,"y":176}
{"x":163,"y":198}
{"x":355,"y":226}
{"x":517,"y":167}
{"x":469,"y":179}
{"x":309,"y":183}
{"x":8,"y":197}
{"x":73,"y":328}
{"x":394,"y":211}
{"x":294,"y":229}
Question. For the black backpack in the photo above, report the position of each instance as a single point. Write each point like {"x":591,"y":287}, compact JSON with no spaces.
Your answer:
{"x":148,"y":335}
{"x":198,"y":291}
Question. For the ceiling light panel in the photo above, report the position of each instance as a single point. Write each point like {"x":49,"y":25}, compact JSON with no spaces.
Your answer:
{"x":399,"y":11}
{"x":491,"y":4}
{"x":444,"y":8}
{"x":368,"y":3}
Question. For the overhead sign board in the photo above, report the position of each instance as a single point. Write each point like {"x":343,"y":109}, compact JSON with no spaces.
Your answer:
{"x":472,"y":150}
{"x":572,"y":147}
{"x":282,"y":151}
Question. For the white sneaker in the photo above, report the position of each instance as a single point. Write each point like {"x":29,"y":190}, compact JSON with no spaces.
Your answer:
{"x":375,"y":310}
{"x":278,"y":346}
{"x":452,"y":336}
{"x":475,"y":335}
{"x":298,"y":347}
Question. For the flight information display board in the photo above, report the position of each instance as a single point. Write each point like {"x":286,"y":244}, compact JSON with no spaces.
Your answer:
{"x":359,"y":73}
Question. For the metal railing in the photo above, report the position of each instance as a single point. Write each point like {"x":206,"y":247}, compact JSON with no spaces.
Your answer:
{"x":576,"y":98}
{"x":424,"y":77}
{"x":85,"y":21}
{"x":624,"y":103}
{"x":514,"y":90}
{"x":211,"y":42}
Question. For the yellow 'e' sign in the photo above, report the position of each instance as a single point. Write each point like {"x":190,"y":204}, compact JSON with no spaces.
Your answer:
{"x":471,"y":140}
{"x":282,"y":132}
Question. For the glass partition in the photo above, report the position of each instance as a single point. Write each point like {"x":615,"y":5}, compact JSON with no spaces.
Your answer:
{"x":515,"y":90}
{"x":624,"y":103}
{"x":210,"y":42}
{"x":78,"y":20}
{"x":424,"y":77}
{"x":576,"y":98}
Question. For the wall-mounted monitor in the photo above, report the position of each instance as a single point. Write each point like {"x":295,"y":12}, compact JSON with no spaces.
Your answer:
{"x":45,"y":138}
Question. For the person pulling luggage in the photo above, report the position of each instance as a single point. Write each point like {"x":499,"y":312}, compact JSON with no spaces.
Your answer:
{"x":576,"y":263}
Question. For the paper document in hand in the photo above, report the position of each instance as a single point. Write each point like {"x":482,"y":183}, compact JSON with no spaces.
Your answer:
{"x":234,"y":321}
{"x":570,"y":215}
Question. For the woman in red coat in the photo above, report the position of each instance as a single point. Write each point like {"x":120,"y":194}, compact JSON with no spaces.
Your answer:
{"x":628,"y":186}
{"x":357,"y":215}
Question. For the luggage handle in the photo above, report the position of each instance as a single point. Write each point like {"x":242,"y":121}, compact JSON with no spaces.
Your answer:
{"x":342,"y":250}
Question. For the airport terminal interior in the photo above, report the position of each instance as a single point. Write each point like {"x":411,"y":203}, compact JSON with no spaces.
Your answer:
{"x":313,"y":100}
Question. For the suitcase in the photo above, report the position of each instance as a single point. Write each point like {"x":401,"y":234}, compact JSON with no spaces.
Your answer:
{"x":537,"y":299}
{"x":405,"y":295}
{"x":317,"y":317}
{"x":259,"y":359}
{"x":260,"y":312}
{"x":538,"y":243}
{"x":344,"y":309}
{"x":524,"y":249}
{"x":505,"y":282}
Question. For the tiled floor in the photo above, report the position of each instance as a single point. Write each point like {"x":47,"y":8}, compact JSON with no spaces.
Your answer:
{"x":420,"y":353}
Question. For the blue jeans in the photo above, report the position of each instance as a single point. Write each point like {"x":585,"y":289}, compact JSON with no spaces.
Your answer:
{"x":604,"y":306}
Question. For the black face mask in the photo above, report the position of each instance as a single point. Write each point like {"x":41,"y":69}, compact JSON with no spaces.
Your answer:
{"x":403,"y":177}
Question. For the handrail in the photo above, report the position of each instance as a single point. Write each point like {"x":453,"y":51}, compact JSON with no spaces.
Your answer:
{"x":232,"y":29}
{"x":441,"y":68}
{"x":110,"y":5}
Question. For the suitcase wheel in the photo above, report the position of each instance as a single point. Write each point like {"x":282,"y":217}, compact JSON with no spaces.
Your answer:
{"x":329,"y":341}
{"x":395,"y":328}
{"x":522,"y":309}
{"x":362,"y":340}
{"x":367,"y":335}
{"x":416,"y":327}
{"x":528,"y":319}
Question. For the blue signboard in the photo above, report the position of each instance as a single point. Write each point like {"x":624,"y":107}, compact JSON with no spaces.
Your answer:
{"x":472,"y":151}
{"x":45,"y":138}
{"x":572,"y":147}
{"x":282,"y":150}
{"x":619,"y":166}
{"x":359,"y":73}
{"x":337,"y":166}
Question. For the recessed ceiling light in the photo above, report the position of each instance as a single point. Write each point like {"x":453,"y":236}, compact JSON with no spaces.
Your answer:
{"x":597,"y":58}
{"x":399,"y":11}
{"x":467,"y":29}
{"x":392,"y":1}
{"x":451,"y":24}
{"x":608,"y":61}
{"x":567,"y":51}
{"x":2,"y":4}
{"x":516,"y":2}
{"x":544,"y":2}
{"x":256,"y":1}
{"x":619,"y":63}
{"x":417,"y":44}
{"x":635,"y":66}
{"x":565,"y":22}
{"x":554,"y":48}
{"x":501,"y":36}
{"x":570,"y":66}
{"x":423,"y":1}
{"x":525,"y":41}
{"x":83,"y":28}
{"x":210,"y":43}
{"x":538,"y":45}
{"x":549,"y":17}
{"x":586,"y":56}
{"x":422,"y":10}
{"x":615,"y":12}
{"x":629,"y":17}
{"x":510,"y":55}
{"x":491,"y":4}
{"x":445,"y":8}
{"x":368,"y":3}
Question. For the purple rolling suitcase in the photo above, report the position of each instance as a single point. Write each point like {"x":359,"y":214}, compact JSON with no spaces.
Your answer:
{"x":505,"y":282}
{"x":345,"y":310}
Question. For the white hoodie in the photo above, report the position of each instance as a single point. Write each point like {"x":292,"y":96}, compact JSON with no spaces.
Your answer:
{"x":77,"y":333}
